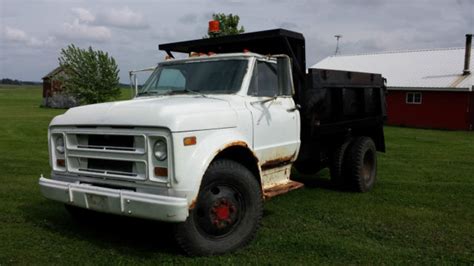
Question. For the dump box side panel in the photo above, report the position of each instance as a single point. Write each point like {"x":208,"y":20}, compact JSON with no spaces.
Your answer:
{"x":337,"y":105}
{"x":344,"y":95}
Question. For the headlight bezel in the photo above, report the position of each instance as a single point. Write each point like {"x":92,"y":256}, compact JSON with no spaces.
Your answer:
{"x":59,"y":145}
{"x":161,"y":154}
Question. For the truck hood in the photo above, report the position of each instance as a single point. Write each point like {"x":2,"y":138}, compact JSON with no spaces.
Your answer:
{"x":177,"y":113}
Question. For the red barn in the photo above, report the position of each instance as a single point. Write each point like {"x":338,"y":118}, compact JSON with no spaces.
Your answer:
{"x":430,"y":88}
{"x":53,"y":94}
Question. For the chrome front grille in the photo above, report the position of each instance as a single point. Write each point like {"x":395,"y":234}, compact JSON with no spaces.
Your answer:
{"x":109,"y":155}
{"x":107,"y":142}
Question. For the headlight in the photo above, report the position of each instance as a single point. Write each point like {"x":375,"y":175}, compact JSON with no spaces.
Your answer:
{"x":60,"y":144}
{"x":160,"y":151}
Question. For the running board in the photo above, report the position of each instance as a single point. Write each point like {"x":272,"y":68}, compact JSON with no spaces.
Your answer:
{"x":281,"y":189}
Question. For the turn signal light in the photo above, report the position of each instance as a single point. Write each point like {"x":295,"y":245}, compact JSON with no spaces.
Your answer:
{"x":188,"y":141}
{"x":161,"y":171}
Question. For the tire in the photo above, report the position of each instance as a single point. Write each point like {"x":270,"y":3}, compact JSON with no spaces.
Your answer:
{"x":337,"y":165}
{"x":227,"y":214}
{"x":361,"y":161}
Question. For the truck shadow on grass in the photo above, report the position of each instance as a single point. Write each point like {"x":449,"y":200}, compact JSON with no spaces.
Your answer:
{"x":126,"y":235}
{"x":319,"y":180}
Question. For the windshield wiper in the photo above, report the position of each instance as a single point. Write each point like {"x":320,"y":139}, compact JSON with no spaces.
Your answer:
{"x":147,"y":93}
{"x":194,"y":92}
{"x":172,"y":92}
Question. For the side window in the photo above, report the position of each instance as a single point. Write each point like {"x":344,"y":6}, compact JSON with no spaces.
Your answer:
{"x":264,"y":80}
{"x":172,"y":78}
{"x":413,"y":98}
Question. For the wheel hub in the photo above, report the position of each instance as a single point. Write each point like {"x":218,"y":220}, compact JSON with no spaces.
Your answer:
{"x":219,"y":210}
{"x":222,"y":213}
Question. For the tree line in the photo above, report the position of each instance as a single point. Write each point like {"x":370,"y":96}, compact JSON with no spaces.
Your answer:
{"x":8,"y":81}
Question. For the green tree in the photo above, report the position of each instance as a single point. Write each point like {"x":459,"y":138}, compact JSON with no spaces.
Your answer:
{"x":90,"y":75}
{"x":229,"y":25}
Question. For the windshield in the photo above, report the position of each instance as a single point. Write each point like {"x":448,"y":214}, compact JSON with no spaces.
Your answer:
{"x":213,"y":77}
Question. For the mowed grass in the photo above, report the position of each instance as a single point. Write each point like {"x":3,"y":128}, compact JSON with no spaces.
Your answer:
{"x":421,"y":210}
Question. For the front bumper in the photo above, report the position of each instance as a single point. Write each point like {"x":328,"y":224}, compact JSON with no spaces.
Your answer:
{"x":116,"y":201}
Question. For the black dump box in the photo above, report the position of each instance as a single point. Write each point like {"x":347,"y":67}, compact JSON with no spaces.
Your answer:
{"x":337,"y":105}
{"x":334,"y":104}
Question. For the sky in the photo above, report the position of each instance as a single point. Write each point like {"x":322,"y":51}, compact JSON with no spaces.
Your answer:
{"x":32,"y":33}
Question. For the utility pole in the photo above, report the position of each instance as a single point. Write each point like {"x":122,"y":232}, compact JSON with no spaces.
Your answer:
{"x":338,"y":36}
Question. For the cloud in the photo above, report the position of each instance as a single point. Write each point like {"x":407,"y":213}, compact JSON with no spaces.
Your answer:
{"x":288,"y":25}
{"x":15,"y":35}
{"x":83,"y":14}
{"x":80,"y":31}
{"x":188,"y":19}
{"x":122,"y":18}
{"x":19,"y":36}
{"x":84,"y":28}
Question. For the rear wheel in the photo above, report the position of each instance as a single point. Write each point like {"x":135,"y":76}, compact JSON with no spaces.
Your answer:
{"x":337,"y":163}
{"x":227,"y":214}
{"x":361,"y":164}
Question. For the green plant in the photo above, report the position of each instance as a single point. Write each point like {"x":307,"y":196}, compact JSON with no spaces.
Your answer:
{"x":90,"y":75}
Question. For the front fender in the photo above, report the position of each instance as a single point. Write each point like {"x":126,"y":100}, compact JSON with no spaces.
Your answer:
{"x":191,"y":162}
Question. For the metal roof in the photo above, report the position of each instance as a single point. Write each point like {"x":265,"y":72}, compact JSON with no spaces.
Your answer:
{"x":53,"y":72}
{"x":435,"y":69}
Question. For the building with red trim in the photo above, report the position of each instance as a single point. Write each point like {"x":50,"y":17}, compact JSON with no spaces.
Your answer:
{"x":426,"y":88}
{"x":54,"y":95}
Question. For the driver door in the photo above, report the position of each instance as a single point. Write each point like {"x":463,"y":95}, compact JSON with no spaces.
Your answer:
{"x":276,"y":122}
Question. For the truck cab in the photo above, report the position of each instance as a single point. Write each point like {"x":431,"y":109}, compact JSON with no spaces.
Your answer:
{"x":201,"y":145}
{"x":147,"y":157}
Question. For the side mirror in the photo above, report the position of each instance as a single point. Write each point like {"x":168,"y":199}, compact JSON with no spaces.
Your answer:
{"x":133,"y":83}
{"x":285,"y":78}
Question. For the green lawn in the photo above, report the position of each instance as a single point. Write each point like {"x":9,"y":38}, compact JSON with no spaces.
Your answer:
{"x":421,"y":210}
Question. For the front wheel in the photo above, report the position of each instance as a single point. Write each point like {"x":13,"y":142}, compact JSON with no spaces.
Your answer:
{"x":227,"y":213}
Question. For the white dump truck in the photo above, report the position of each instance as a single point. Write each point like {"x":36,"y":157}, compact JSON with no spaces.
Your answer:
{"x":208,"y":138}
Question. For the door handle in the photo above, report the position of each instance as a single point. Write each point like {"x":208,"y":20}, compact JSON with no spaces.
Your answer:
{"x":297,"y":107}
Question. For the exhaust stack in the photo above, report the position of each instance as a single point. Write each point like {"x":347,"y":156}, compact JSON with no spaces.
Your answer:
{"x":467,"y":55}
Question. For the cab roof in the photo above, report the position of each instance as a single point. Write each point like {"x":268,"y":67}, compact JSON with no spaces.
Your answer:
{"x":205,"y":57}
{"x":276,"y":41}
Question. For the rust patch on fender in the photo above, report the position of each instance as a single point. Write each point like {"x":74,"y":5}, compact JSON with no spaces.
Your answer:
{"x":281,"y":189}
{"x":231,"y":144}
{"x":278,"y":162}
{"x":236,"y":143}
{"x":193,"y":204}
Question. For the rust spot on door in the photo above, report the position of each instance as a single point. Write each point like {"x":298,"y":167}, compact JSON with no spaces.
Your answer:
{"x":281,"y":189}
{"x":277,"y":162}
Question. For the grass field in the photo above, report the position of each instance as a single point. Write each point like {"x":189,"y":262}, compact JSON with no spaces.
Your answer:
{"x":421,"y":210}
